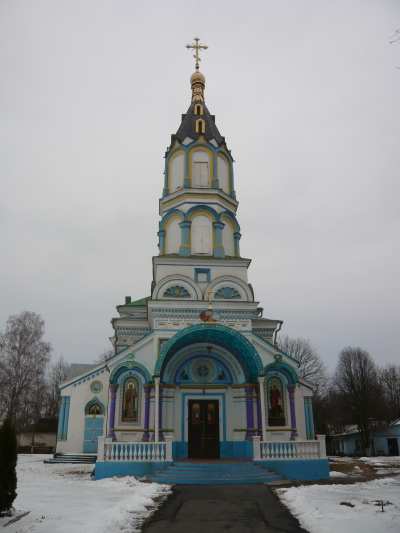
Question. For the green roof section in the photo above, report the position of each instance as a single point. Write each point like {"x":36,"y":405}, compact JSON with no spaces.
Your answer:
{"x":142,"y":302}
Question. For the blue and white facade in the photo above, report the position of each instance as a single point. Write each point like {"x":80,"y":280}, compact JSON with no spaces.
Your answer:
{"x":196,"y":366}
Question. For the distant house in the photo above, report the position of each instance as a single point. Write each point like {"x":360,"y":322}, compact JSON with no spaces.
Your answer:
{"x":42,"y":436}
{"x":385,"y":440}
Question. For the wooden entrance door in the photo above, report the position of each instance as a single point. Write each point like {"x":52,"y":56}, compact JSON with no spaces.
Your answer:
{"x":203,"y":429}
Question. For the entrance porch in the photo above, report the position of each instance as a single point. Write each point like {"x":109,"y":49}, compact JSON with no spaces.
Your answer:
{"x":303,"y":460}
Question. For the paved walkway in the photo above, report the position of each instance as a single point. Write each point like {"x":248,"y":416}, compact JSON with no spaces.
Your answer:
{"x":227,"y":508}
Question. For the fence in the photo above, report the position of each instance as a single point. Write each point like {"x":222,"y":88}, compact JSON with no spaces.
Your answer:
{"x":300,"y":449}
{"x":134,"y":451}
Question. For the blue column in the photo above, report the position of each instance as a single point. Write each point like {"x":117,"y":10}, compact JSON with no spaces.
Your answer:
{"x":185,"y":237}
{"x":63,"y":420}
{"x":215,"y":181}
{"x":218,"y":246}
{"x":308,"y":411}
{"x":61,"y":416}
{"x":165,"y":190}
{"x":161,"y":241}
{"x":186,"y":181}
{"x":231,"y":182}
{"x":236,"y":238}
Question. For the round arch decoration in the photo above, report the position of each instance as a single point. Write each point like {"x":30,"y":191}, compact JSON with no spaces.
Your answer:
{"x":169,"y":214}
{"x":230,"y":217}
{"x":231,"y":281}
{"x":283,"y":368}
{"x":177,"y":279}
{"x":95,"y":402}
{"x":202,"y":208}
{"x":128,"y":366}
{"x":228,"y":338}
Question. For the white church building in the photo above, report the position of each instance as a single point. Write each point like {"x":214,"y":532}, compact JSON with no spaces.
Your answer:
{"x":196,"y":373}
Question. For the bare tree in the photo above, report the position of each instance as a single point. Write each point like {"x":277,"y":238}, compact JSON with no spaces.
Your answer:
{"x":390,"y":382}
{"x":57,"y":374}
{"x":395,"y":37}
{"x":311,"y":369}
{"x":105,"y":356}
{"x":24,"y":356}
{"x":356,"y":379}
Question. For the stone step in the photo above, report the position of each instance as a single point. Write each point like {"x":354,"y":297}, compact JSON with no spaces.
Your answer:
{"x":83,"y":458}
{"x":187,"y":473}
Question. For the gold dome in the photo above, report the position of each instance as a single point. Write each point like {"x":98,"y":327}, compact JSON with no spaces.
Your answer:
{"x":197,"y":77}
{"x":198,"y":82}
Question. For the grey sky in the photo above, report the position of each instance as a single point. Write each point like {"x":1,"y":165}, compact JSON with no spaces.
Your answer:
{"x":307,"y":95}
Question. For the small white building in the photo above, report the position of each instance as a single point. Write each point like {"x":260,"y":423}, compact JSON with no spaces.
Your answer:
{"x":196,"y":364}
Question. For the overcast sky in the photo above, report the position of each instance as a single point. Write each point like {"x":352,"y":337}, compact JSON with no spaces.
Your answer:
{"x":307,"y":94}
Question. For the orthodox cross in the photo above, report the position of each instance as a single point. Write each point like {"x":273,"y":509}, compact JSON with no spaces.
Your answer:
{"x":196,"y":46}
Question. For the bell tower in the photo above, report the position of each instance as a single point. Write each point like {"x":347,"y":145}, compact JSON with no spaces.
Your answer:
{"x":198,"y":205}
{"x":198,"y":274}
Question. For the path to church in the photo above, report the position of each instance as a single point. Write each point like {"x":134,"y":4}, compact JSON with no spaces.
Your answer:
{"x":210,"y":509}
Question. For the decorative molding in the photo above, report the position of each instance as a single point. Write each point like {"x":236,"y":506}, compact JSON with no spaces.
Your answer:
{"x":176,"y":291}
{"x":238,"y":345}
{"x":227,"y":293}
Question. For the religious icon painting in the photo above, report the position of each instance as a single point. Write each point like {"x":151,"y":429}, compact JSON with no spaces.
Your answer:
{"x":276,"y":411}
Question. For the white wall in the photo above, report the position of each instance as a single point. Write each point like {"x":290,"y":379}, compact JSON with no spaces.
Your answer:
{"x":217,"y":268}
{"x":80,"y":395}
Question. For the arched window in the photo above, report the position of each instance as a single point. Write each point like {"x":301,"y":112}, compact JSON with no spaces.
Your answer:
{"x":176,"y":171}
{"x":276,"y":402}
{"x":198,"y":109}
{"x":176,"y":292}
{"x":223,"y":173}
{"x":172,"y":235}
{"x":130,"y":401}
{"x":201,"y":235}
{"x":227,"y":293}
{"x":228,"y":240}
{"x":200,"y":169}
{"x":94,"y":408}
{"x":200,"y":126}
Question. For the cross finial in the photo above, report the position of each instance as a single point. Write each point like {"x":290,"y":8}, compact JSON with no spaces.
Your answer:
{"x":196,"y":46}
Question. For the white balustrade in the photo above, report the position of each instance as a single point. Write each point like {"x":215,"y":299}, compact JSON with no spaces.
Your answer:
{"x":286,"y":450}
{"x":135,"y":451}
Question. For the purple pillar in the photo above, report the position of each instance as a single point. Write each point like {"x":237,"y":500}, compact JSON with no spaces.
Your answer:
{"x":161,"y":436}
{"x":111,"y":416}
{"x":291,"y":390}
{"x":249,"y":412}
{"x":259,"y":422}
{"x":147,"y":391}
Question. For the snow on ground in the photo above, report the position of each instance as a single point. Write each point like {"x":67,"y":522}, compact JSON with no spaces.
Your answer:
{"x":318,"y":508}
{"x":340,"y":459}
{"x":335,"y":473}
{"x":62,"y":498}
{"x":382,"y":461}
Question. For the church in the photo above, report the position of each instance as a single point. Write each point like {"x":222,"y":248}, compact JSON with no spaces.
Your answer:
{"x":196,"y":372}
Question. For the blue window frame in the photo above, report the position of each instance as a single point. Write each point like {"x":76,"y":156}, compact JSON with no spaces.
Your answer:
{"x":62,"y":433}
{"x":205,"y":274}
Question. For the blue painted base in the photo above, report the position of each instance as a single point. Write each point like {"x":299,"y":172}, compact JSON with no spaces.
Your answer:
{"x":299,"y":469}
{"x":227,"y":449}
{"x":121,"y":468}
